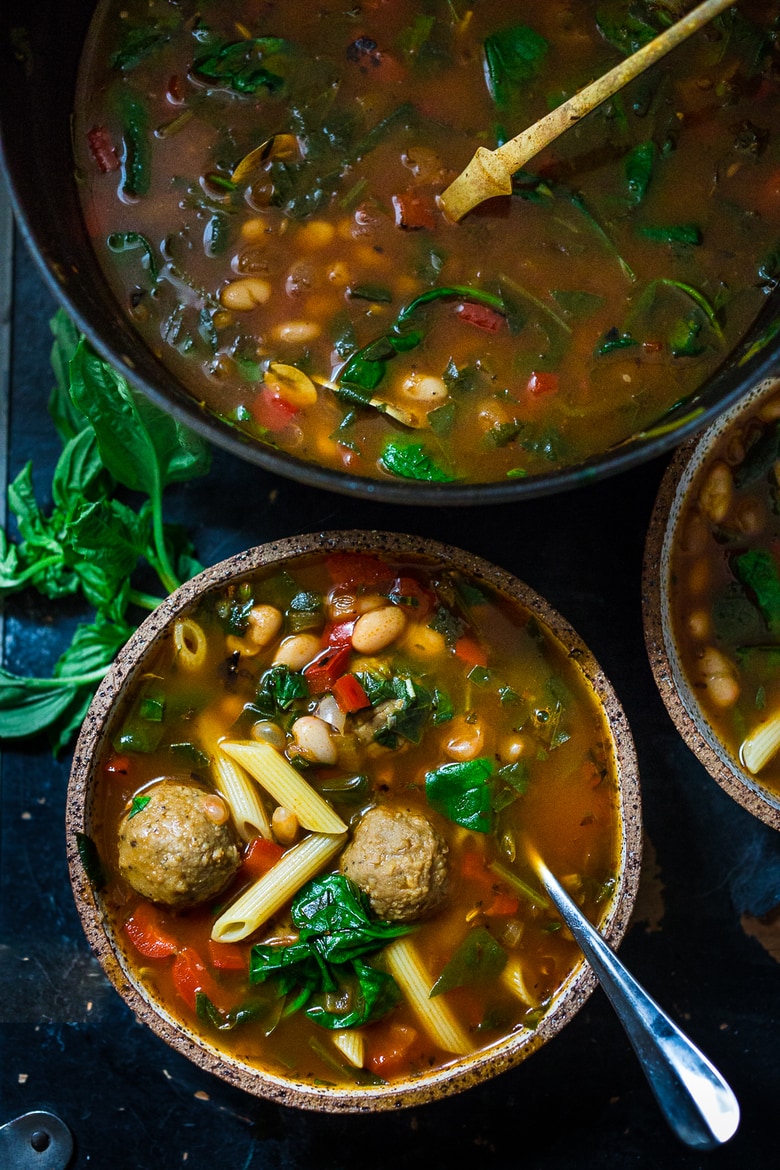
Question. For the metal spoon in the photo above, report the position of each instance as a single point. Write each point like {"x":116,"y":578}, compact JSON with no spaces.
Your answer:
{"x":693,"y":1096}
{"x":490,"y":171}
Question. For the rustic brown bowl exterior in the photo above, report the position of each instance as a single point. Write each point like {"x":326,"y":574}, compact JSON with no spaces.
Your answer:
{"x":680,"y":478}
{"x":109,"y":948}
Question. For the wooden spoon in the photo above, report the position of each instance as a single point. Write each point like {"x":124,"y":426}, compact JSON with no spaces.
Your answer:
{"x":490,"y":171}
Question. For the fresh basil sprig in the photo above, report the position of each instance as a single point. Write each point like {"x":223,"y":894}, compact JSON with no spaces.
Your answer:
{"x":90,"y":543}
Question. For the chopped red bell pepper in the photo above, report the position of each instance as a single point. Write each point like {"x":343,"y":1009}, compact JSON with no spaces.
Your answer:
{"x":414,"y":211}
{"x":228,"y":956}
{"x":349,"y":694}
{"x":190,"y":975}
{"x":270,"y":410}
{"x":482,"y":316}
{"x":330,"y":664}
{"x":260,"y":855}
{"x":102,"y":149}
{"x":340,"y":633}
{"x":146,"y":930}
{"x":471,"y":651}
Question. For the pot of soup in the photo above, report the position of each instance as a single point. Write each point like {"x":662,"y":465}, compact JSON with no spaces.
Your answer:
{"x":239,"y":207}
{"x":300,"y":810}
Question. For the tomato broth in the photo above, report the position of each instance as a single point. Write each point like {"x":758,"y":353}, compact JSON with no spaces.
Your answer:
{"x":473,"y":717}
{"x":260,"y":183}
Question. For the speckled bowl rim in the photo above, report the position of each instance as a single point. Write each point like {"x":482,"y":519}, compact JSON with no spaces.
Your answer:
{"x":464,"y":1072}
{"x":680,"y":477}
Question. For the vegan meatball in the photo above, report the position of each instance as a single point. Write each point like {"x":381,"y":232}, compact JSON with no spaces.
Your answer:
{"x":399,"y":859}
{"x":180,"y":848}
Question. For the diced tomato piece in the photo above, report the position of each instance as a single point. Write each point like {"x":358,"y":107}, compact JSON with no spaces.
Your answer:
{"x":270,"y":410}
{"x":409,"y":593}
{"x":118,"y":765}
{"x":228,"y":956}
{"x":471,"y":651}
{"x":473,"y":867}
{"x":260,"y":855}
{"x":174,"y":91}
{"x":146,"y":930}
{"x":366,"y":54}
{"x":190,"y":975}
{"x":482,"y":316}
{"x":340,"y":633}
{"x":542,"y":382}
{"x":329,"y":665}
{"x":502,"y":905}
{"x":349,"y":694}
{"x":102,"y":149}
{"x":413,"y":211}
{"x":390,"y":1046}
{"x":356,"y":569}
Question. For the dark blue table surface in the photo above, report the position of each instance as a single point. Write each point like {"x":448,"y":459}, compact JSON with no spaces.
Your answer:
{"x":701,"y":940}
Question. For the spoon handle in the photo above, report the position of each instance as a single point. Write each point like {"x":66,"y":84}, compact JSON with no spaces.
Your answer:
{"x":490,"y":171}
{"x":695,"y":1099}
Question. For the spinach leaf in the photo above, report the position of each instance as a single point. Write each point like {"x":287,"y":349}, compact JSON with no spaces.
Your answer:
{"x":278,"y":690}
{"x":335,"y":932}
{"x":638,"y":168}
{"x":626,"y":25}
{"x":463,"y":792}
{"x":513,"y":57}
{"x":239,"y":65}
{"x":413,"y":461}
{"x":758,"y":572}
{"x":478,"y":959}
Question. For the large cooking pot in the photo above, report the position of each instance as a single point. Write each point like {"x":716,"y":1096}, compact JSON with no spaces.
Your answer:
{"x":41,"y":45}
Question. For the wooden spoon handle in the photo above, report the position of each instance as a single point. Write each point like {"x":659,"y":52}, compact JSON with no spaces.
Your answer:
{"x":490,"y":172}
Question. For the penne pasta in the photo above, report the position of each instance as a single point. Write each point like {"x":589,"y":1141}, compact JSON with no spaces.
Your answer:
{"x":435,"y":1015}
{"x":512,"y":976}
{"x":288,"y":788}
{"x":351,"y":1044}
{"x":761,"y":745}
{"x":234,"y":784}
{"x":270,"y":892}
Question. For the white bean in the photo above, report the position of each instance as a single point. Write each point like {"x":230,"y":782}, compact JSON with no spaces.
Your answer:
{"x":466,"y":741}
{"x":312,"y":739}
{"x":377,"y":629}
{"x":297,"y":651}
{"x":423,"y":642}
{"x":425,"y":388}
{"x":717,"y":492}
{"x":265,"y":622}
{"x":285,"y":825}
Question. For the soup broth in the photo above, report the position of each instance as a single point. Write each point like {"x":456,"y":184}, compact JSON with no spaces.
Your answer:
{"x":260,"y":182}
{"x":394,"y":688}
{"x":725,"y":590}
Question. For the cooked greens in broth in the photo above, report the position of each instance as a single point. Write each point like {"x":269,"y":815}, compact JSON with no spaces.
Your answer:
{"x":260,"y":182}
{"x":724,"y":590}
{"x":311,"y":817}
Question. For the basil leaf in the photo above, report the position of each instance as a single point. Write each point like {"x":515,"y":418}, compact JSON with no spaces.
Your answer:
{"x":144,"y":448}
